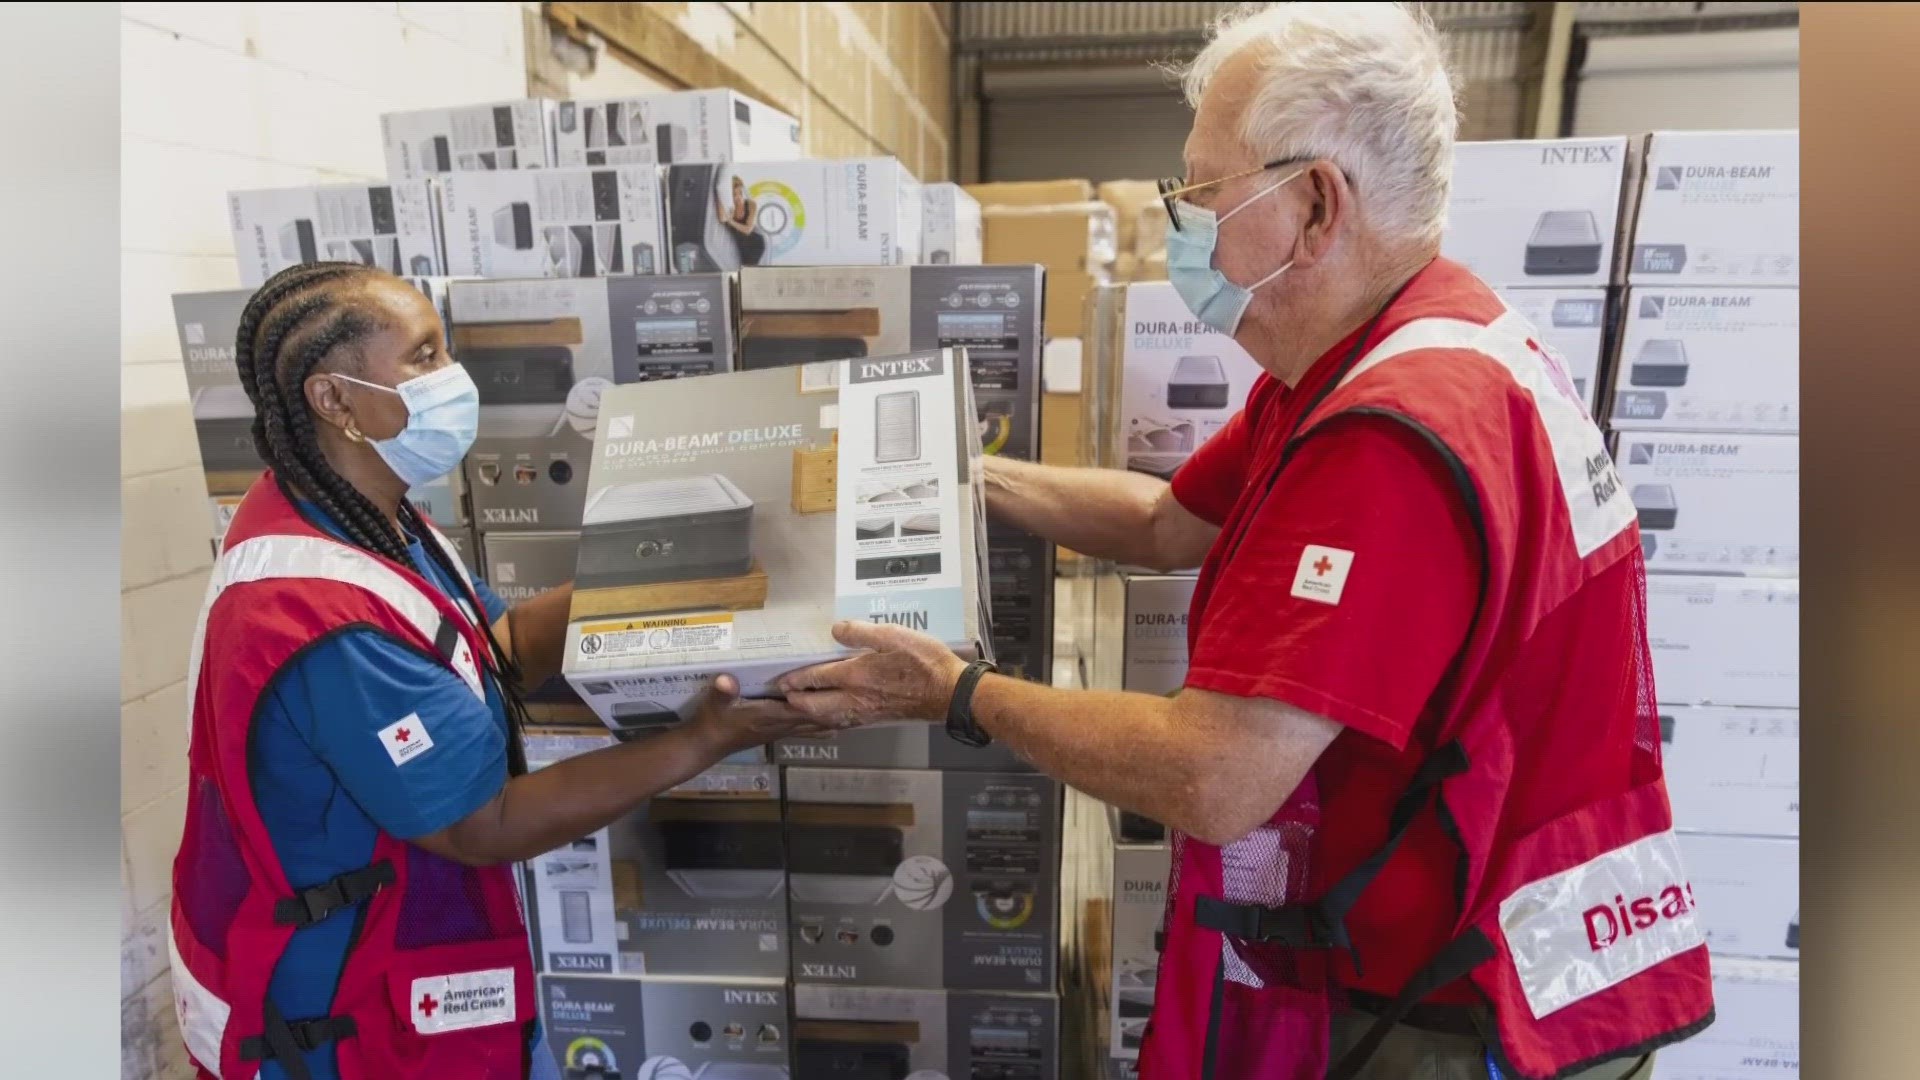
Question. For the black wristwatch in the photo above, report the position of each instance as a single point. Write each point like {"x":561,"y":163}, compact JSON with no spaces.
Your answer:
{"x":961,"y":725}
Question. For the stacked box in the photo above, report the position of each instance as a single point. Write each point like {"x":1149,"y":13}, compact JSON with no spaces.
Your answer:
{"x":1177,"y":381}
{"x":394,"y":227}
{"x":1537,"y":212}
{"x":950,"y":226}
{"x":1719,"y":208}
{"x":901,"y":1032}
{"x":728,"y":215}
{"x":499,"y":137}
{"x":601,"y":1028}
{"x":663,"y":129}
{"x":1709,"y":360}
{"x":555,"y":223}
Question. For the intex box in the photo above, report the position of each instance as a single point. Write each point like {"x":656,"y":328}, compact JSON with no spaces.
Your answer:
{"x":950,"y":225}
{"x":1725,"y":641}
{"x":691,"y":125}
{"x":521,"y":566}
{"x":1748,"y":892}
{"x":543,"y":352}
{"x":1536,"y":212}
{"x":662,"y":1028}
{"x":555,"y":223}
{"x":858,"y":212}
{"x":693,"y":883}
{"x":395,"y":227}
{"x":468,"y":138}
{"x":1715,"y":503}
{"x":1719,"y":208}
{"x":1709,"y":360}
{"x":1756,"y":1030}
{"x":1733,"y":770}
{"x":871,"y":1031}
{"x":1573,"y":323}
{"x":1180,"y":381}
{"x":903,"y":877}
{"x":731,"y":520}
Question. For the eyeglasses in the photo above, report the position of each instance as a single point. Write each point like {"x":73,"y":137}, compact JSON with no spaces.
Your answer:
{"x":1172,"y":188}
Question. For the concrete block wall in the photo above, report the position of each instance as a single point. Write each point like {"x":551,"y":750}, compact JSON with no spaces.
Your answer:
{"x":217,"y":97}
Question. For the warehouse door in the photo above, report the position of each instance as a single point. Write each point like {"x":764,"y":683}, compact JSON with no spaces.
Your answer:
{"x":1125,"y":123}
{"x":1718,"y":80}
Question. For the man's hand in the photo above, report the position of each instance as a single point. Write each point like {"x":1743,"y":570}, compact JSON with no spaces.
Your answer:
{"x":729,"y":725}
{"x":907,"y":676}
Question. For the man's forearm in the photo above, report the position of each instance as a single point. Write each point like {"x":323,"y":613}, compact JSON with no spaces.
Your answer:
{"x":1105,"y":513}
{"x":1131,"y":750}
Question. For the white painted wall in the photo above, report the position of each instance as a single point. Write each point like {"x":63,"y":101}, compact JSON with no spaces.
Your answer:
{"x":1728,"y":80}
{"x":218,"y":97}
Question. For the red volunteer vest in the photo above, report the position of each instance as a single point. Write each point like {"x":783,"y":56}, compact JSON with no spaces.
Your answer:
{"x":439,"y":980}
{"x":1580,"y":936}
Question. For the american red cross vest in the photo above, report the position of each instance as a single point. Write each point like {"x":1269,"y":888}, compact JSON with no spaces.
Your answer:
{"x":1580,"y":935}
{"x":438,"y":981}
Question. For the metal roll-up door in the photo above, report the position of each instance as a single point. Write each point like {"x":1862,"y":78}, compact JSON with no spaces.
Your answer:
{"x":1117,"y":123}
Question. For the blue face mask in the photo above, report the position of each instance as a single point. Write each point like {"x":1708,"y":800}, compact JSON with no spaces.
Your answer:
{"x":443,"y":416}
{"x":1213,"y":299}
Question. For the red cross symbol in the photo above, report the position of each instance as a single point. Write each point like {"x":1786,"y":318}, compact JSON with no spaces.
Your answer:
{"x":1325,"y":564}
{"x":427,"y":1005}
{"x":402,"y":735}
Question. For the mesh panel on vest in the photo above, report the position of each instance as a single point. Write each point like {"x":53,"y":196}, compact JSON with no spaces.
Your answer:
{"x":1269,"y":867}
{"x":1646,"y":727}
{"x":213,"y":878}
{"x":444,"y":905}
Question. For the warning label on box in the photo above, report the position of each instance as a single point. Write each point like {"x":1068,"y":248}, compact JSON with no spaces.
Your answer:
{"x":645,"y":637}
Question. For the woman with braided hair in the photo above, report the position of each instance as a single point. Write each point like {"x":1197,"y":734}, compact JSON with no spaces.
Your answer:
{"x":344,"y":903}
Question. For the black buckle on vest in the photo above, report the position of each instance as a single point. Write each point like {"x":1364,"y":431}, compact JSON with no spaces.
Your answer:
{"x":307,"y":1036}
{"x":1296,"y":926}
{"x":309,"y":906}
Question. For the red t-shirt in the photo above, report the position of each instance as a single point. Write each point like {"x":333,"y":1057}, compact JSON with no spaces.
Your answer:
{"x":1360,"y":629}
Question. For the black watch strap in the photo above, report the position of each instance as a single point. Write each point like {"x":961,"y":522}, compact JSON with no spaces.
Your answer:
{"x":961,"y":726}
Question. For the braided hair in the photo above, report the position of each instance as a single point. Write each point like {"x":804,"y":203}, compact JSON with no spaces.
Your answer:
{"x":300,"y":317}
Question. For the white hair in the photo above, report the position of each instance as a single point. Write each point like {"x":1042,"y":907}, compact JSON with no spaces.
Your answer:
{"x":1362,"y":85}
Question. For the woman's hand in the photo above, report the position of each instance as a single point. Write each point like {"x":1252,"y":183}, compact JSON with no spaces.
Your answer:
{"x":907,"y":675}
{"x":728,"y":725}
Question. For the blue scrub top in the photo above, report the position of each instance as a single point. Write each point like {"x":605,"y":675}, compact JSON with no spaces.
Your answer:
{"x":326,"y":785}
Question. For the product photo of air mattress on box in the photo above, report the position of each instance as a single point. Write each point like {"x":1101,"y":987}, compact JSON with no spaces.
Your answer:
{"x":710,"y":543}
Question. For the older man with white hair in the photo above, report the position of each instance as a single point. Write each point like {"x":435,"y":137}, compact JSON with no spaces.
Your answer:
{"x":1420,"y":826}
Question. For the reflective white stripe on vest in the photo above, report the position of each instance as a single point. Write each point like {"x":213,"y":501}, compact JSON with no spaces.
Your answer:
{"x":1599,"y":924}
{"x":267,"y":557}
{"x":202,"y":1015}
{"x":460,"y":568}
{"x":1597,"y":502}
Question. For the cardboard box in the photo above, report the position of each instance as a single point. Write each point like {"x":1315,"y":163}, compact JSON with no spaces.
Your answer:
{"x":1031,"y":192}
{"x":856,"y":212}
{"x":1067,"y":300}
{"x":1709,"y":360}
{"x":1128,"y":198}
{"x":1150,"y":225}
{"x":917,"y":878}
{"x":873,"y":1031}
{"x":950,"y":226}
{"x":1180,"y":381}
{"x":1725,"y":640}
{"x":1747,"y":889}
{"x":544,"y":351}
{"x":661,"y":1028}
{"x":1573,"y":323}
{"x":1139,"y":889}
{"x":444,"y":501}
{"x":1072,"y":237}
{"x":1756,"y":1030}
{"x":1733,"y":770}
{"x":555,"y":223}
{"x":693,"y":883}
{"x":696,"y":561}
{"x":1715,"y":503}
{"x":687,"y":125}
{"x":501,"y":136}
{"x":1719,"y":208}
{"x":1536,"y":211}
{"x":395,"y":227}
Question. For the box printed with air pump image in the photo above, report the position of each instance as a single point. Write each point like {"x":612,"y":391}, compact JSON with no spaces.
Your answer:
{"x":925,"y":1034}
{"x":657,"y":1028}
{"x":923,"y":878}
{"x":731,"y":520}
{"x":693,"y":883}
{"x":544,"y":351}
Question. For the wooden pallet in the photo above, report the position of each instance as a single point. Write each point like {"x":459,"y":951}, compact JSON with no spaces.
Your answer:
{"x":747,"y":592}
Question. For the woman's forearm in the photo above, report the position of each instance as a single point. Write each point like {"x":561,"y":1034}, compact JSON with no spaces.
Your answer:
{"x":538,"y":634}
